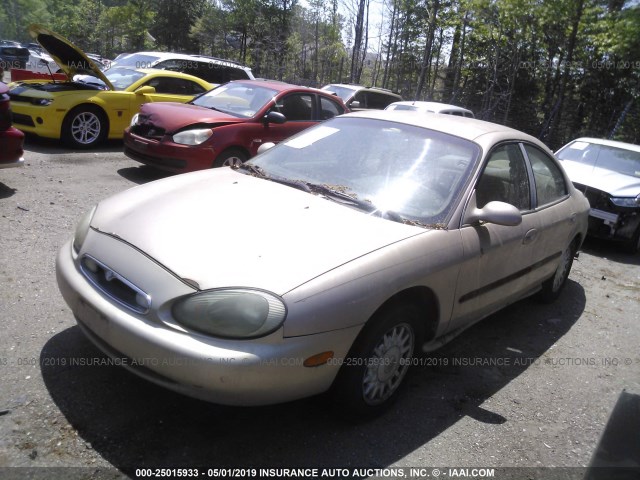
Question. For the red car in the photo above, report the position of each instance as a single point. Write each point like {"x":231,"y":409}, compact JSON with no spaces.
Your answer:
{"x":226,"y":125}
{"x":11,"y":139}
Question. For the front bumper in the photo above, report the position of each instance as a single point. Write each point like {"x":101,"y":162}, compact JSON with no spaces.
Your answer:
{"x":168,"y":156}
{"x":232,"y":372}
{"x":42,"y":121}
{"x":621,"y":225}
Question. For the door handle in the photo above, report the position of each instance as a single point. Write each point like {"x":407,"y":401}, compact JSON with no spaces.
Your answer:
{"x":530,"y":236}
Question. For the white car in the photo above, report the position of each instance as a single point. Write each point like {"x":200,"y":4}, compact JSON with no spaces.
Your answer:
{"x":608,"y":173}
{"x":323,"y":263}
{"x":41,"y":62}
{"x":432,"y":107}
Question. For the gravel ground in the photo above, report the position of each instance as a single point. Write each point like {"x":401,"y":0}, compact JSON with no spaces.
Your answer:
{"x":532,"y":386}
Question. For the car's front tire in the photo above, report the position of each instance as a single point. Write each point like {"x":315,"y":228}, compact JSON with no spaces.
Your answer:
{"x":232,"y":157}
{"x":84,"y":127}
{"x":373,"y":374}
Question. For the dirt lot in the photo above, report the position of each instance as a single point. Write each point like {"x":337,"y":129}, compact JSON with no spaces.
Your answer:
{"x":532,"y":386}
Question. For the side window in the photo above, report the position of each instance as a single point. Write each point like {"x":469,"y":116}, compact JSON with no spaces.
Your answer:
{"x":379,"y":100}
{"x":550,"y":185}
{"x":175,"y":86}
{"x":329,"y":109}
{"x":296,"y":107}
{"x":505,"y":179}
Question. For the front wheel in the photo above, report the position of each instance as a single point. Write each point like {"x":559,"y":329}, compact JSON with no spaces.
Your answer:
{"x":231,"y":157}
{"x":373,"y":374}
{"x":84,"y":127}
{"x":552,"y":287}
{"x":633,"y":244}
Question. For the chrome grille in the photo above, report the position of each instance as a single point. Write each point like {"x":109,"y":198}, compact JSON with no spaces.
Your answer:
{"x":114,"y":285}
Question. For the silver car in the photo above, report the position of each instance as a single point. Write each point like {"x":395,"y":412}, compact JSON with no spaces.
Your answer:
{"x":608,"y":172}
{"x":327,"y":263}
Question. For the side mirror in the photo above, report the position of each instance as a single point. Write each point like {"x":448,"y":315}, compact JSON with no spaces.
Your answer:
{"x":354,"y":104}
{"x":500,"y":213}
{"x":275,"y":117}
{"x":147,"y":89}
{"x":265,"y":146}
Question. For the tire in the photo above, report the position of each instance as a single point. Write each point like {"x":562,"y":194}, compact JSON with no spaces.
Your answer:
{"x":230,"y":157}
{"x":633,"y":245}
{"x":84,"y":127}
{"x":552,"y":288}
{"x":372,"y":376}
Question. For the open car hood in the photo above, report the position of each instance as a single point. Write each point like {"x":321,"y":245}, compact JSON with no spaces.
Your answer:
{"x":70,"y":58}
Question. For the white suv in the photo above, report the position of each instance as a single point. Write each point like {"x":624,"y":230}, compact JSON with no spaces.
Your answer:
{"x":213,"y":70}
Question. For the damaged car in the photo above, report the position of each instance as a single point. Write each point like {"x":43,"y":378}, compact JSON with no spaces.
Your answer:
{"x":83,"y":111}
{"x":226,"y":126}
{"x":323,"y":264}
{"x":608,"y":173}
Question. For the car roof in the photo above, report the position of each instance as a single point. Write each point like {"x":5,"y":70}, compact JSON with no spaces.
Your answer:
{"x":187,"y":56}
{"x":432,"y":106}
{"x":478,"y":131}
{"x":165,"y":73}
{"x":608,"y":143}
{"x":281,"y":86}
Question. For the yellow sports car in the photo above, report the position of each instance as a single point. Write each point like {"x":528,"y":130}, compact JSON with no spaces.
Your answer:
{"x":92,"y":105}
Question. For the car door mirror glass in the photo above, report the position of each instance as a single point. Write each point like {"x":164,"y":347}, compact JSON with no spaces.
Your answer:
{"x":500,"y":213}
{"x":275,"y":117}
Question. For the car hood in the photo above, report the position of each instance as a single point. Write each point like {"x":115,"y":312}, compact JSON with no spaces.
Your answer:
{"x":172,"y":116}
{"x":614,"y":183}
{"x":220,"y":228}
{"x":70,"y":58}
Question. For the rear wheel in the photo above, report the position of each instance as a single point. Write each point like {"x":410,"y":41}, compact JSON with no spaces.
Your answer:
{"x":84,"y":127}
{"x":373,"y":374}
{"x":552,"y":288}
{"x":230,"y":158}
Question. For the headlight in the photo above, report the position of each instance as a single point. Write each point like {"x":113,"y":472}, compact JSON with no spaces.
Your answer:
{"x":193,"y":137}
{"x":82,"y":229}
{"x":42,"y":102}
{"x":134,"y":120}
{"x":626,"y":201}
{"x":231,"y":313}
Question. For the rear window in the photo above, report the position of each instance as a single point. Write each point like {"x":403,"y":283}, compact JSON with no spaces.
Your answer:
{"x":14,"y":51}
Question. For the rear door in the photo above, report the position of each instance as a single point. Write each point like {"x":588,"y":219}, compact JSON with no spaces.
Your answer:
{"x":555,"y":214}
{"x":497,"y":259}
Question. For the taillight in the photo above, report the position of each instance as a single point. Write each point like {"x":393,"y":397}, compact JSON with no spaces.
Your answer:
{"x":5,"y":112}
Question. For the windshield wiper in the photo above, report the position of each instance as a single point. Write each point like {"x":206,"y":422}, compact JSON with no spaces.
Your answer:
{"x":259,"y":172}
{"x":340,"y":194}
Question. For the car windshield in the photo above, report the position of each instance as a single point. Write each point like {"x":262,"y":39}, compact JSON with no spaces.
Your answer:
{"x":403,"y":107}
{"x":616,"y":159}
{"x":121,"y":78}
{"x":345,"y":93}
{"x":412,"y":173}
{"x":237,"y":99}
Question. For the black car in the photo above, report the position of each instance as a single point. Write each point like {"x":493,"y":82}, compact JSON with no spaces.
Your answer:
{"x":12,"y":55}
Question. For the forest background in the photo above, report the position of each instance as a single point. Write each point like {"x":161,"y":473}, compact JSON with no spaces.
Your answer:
{"x":555,"y":69}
